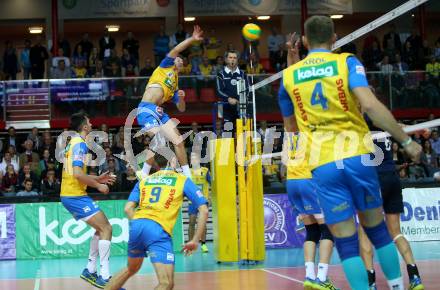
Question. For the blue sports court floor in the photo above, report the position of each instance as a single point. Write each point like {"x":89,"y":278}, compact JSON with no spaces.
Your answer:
{"x":282,"y":270}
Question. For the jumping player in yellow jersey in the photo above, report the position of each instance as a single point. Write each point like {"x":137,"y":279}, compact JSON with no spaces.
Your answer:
{"x":74,"y":198}
{"x":320,"y":95}
{"x":301,"y":190}
{"x":153,"y":207}
{"x":162,"y":87}
{"x":201,"y":177}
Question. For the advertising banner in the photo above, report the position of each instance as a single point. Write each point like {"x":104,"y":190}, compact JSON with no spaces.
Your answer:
{"x":421,"y":216}
{"x":7,"y":231}
{"x":280,"y":223}
{"x":48,"y":230}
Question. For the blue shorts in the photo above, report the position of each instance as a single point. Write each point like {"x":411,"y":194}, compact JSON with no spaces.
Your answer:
{"x":303,"y":196}
{"x":148,"y":236}
{"x":342,"y":192}
{"x":150,"y":116}
{"x":192,"y":209}
{"x":81,"y":207}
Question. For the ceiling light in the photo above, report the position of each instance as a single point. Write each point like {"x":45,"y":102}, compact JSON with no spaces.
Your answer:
{"x":36,"y":29}
{"x":266,"y":17}
{"x":112,"y":28}
{"x":189,"y":19}
{"x":336,"y":16}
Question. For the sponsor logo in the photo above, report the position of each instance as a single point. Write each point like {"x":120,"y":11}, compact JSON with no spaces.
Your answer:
{"x":343,"y":206}
{"x":360,"y":70}
{"x":170,"y":198}
{"x":3,"y":225}
{"x":199,"y":193}
{"x":169,"y":83}
{"x":305,"y":74}
{"x":169,"y":181}
{"x":170,"y":257}
{"x":86,"y":209}
{"x":420,"y":213}
{"x":313,"y":61}
{"x":274,"y":223}
{"x":233,"y":82}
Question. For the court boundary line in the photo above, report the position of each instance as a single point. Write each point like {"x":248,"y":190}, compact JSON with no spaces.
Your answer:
{"x":282,"y":276}
{"x":37,"y":280}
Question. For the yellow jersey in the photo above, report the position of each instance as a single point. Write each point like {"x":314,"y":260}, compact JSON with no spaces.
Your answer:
{"x":202,"y":179}
{"x":212,"y":45}
{"x":159,"y":197}
{"x":297,"y":164}
{"x":205,"y":70}
{"x":165,"y":76}
{"x":325,"y":109}
{"x":75,"y":154}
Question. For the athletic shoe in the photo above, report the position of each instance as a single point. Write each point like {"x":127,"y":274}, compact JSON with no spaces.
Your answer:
{"x":323,"y":285}
{"x":101,"y":282}
{"x":89,"y":277}
{"x":372,"y":287}
{"x":204,"y":248}
{"x":416,"y":284}
{"x":310,"y":284}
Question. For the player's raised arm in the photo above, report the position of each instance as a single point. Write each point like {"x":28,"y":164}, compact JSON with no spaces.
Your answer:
{"x":381,"y":116}
{"x":196,"y":36}
{"x":292,"y":49}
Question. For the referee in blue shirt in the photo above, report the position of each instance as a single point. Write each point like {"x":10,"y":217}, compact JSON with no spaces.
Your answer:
{"x":226,"y":86}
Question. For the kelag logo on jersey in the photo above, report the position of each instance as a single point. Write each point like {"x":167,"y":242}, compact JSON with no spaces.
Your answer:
{"x":310,"y":73}
{"x":169,"y":181}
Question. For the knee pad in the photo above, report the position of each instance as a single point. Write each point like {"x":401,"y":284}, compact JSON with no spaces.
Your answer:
{"x":347,"y":247}
{"x":313,"y":233}
{"x":379,"y":235}
{"x":325,"y":232}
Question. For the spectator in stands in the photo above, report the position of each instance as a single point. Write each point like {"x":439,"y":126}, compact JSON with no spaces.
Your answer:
{"x":204,"y":71}
{"x":263,"y":128}
{"x":126,"y":60}
{"x":80,"y":69}
{"x":62,"y":71}
{"x":212,"y":45}
{"x":274,"y":42}
{"x":38,"y":56}
{"x":132,"y":45}
{"x":129,"y":180}
{"x":92,"y":60}
{"x":28,"y":189}
{"x":115,"y":70}
{"x":191,"y":140}
{"x":44,"y":160}
{"x":7,"y":160}
{"x":118,"y":141}
{"x":86,"y":45}
{"x":186,"y":68}
{"x":78,"y":56}
{"x":99,"y":70}
{"x":436,"y":53}
{"x":429,"y":159}
{"x":161,"y":46}
{"x":34,"y":137}
{"x":433,"y":68}
{"x":384,"y":66}
{"x":398,"y":156}
{"x":10,"y":61}
{"x":12,"y":139}
{"x":391,"y":40}
{"x":50,"y":185}
{"x":106,"y":45}
{"x":196,"y":52}
{"x":148,"y":69}
{"x":409,"y":55}
{"x":112,"y":169}
{"x":400,"y":67}
{"x":25,"y":59}
{"x":281,"y":58}
{"x":372,"y":55}
{"x":49,"y":165}
{"x":416,"y":45}
{"x":435,"y":142}
{"x":178,"y":37}
{"x":104,"y":128}
{"x":218,"y":66}
{"x":48,"y":144}
{"x":105,"y":166}
{"x":205,"y":68}
{"x":256,"y":68}
{"x":10,"y":181}
{"x":27,"y":173}
{"x":403,"y":173}
{"x":13,"y":152}
{"x":60,"y":56}
{"x":426,"y":53}
{"x":112,"y":59}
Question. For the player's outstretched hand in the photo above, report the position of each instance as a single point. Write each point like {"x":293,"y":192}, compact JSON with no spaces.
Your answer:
{"x":197,"y":33}
{"x":189,"y":248}
{"x":414,"y":150}
{"x":107,"y":178}
{"x":103,"y":188}
{"x":292,"y":45}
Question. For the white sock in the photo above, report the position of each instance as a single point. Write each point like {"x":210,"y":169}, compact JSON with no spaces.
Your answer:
{"x":322,"y":271}
{"x":186,"y":171}
{"x":104,"y":256}
{"x":146,"y":168}
{"x":396,"y":284}
{"x":310,"y":270}
{"x":93,"y":253}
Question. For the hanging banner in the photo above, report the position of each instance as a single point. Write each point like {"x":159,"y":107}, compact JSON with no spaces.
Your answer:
{"x":7,"y":232}
{"x":48,"y":230}
{"x":421,"y":216}
{"x":82,"y":9}
{"x":265,"y":7}
{"x":280,"y":223}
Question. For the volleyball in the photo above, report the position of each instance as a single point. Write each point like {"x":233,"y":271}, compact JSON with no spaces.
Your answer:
{"x":251,"y":31}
